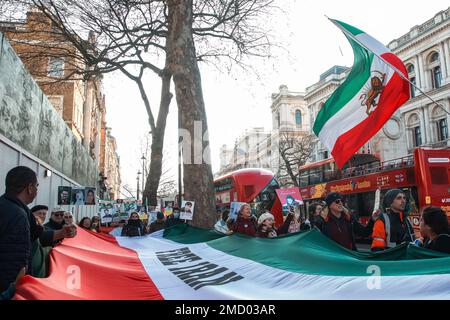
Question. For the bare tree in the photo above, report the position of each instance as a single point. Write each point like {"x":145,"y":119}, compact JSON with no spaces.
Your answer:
{"x":124,"y":36}
{"x":167,"y":38}
{"x":295,"y":150}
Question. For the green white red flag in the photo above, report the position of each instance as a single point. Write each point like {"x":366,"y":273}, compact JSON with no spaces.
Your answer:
{"x":369,"y":96}
{"x":187,"y":263}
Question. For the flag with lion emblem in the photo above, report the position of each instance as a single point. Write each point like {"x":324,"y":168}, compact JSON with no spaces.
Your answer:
{"x":369,"y":96}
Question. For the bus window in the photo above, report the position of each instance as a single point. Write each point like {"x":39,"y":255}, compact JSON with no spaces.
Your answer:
{"x":315,"y":175}
{"x":329,"y":172}
{"x":439,"y":175}
{"x":351,"y":202}
{"x":222,"y":185}
{"x":368,"y":202}
{"x":303,"y":178}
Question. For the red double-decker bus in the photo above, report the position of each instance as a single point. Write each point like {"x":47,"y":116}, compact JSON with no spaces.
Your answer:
{"x":253,"y":186}
{"x":424,"y":177}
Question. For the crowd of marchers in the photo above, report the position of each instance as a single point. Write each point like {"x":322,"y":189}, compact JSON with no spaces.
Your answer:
{"x":25,"y":238}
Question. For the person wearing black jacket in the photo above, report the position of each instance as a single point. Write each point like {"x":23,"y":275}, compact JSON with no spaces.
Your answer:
{"x":56,"y":221}
{"x":134,"y":227}
{"x":18,"y":227}
{"x":157,"y":225}
{"x":435,"y":229}
{"x":340,"y":226}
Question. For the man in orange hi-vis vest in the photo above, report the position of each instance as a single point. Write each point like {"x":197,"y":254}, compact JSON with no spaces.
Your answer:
{"x":392,"y":227}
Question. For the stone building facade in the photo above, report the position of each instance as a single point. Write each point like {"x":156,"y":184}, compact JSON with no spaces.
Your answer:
{"x":425,"y":50}
{"x":250,"y":150}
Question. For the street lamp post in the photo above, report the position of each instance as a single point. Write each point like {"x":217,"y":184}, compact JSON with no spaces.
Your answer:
{"x":137,"y":193}
{"x":143,"y":177}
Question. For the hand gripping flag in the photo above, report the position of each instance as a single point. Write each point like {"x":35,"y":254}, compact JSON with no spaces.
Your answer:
{"x":374,"y":89}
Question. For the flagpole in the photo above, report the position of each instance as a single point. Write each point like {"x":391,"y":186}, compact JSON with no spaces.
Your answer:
{"x":390,"y":65}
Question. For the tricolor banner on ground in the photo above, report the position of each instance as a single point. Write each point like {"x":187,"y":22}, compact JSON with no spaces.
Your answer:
{"x":365,"y":101}
{"x":183,"y":262}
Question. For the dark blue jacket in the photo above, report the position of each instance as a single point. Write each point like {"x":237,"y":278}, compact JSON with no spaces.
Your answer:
{"x":15,"y":242}
{"x":18,"y":231}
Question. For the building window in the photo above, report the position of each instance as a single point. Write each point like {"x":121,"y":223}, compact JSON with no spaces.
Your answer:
{"x":56,"y":67}
{"x":434,"y":57}
{"x":435,"y":69}
{"x":412,"y":86}
{"x":442,"y":129}
{"x":278,"y":120}
{"x":412,"y":77}
{"x":298,"y":117}
{"x":417,"y":136}
{"x":437,"y":77}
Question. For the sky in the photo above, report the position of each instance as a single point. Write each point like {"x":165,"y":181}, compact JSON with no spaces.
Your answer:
{"x":239,"y":100}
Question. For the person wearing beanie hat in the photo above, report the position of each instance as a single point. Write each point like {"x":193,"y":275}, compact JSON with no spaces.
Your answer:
{"x":340,"y":226}
{"x":265,"y":227}
{"x":390,"y":196}
{"x":393,"y":227}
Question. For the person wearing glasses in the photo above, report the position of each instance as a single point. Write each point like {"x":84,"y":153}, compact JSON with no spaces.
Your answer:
{"x":56,"y":221}
{"x":393,"y":227}
{"x":340,"y":226}
{"x":68,"y":217}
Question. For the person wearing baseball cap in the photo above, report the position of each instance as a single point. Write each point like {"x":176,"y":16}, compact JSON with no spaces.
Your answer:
{"x":393,"y":227}
{"x":56,"y":221}
{"x":340,"y":226}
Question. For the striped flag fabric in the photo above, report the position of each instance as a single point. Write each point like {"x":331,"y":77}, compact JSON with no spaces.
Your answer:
{"x":369,"y":96}
{"x":186,"y":263}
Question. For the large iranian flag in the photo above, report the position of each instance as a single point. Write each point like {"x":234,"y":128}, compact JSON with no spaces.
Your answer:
{"x":367,"y":98}
{"x":184,"y":262}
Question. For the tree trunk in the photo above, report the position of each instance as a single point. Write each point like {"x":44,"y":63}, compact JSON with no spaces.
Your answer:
{"x":150,"y":192}
{"x":198,"y":178}
{"x":151,"y":185}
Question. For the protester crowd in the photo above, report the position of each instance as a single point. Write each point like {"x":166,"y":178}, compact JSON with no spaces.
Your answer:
{"x":386,"y":228}
{"x":25,"y":238}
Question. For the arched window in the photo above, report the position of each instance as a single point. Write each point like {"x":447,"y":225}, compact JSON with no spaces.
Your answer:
{"x":434,"y":57}
{"x":435,"y":69}
{"x":412,"y":77}
{"x":298,"y":117}
{"x":414,"y":127}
